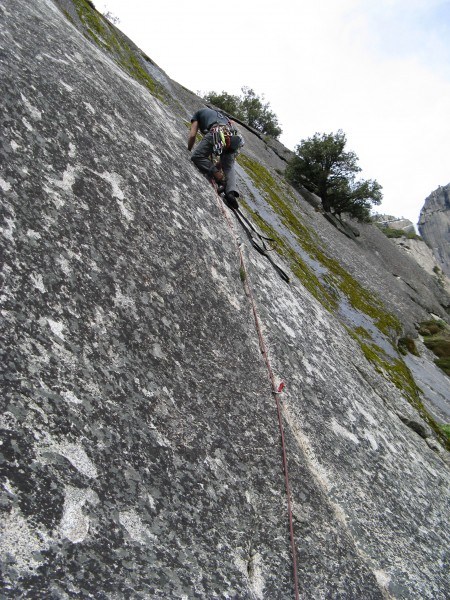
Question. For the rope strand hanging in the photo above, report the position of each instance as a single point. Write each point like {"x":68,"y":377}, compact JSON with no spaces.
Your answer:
{"x":276,"y":391}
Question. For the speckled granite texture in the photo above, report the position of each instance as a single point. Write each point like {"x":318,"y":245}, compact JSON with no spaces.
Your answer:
{"x":140,"y":446}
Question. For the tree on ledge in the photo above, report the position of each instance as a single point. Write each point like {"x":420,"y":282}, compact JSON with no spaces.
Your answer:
{"x":322,"y":166}
{"x":249,"y":108}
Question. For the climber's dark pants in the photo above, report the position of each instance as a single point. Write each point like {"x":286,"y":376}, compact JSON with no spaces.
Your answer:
{"x":201,"y":158}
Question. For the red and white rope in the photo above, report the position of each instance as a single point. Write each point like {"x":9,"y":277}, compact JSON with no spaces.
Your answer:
{"x":276,"y":389}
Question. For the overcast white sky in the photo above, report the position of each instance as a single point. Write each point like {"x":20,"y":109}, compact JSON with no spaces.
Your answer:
{"x":378,"y":69}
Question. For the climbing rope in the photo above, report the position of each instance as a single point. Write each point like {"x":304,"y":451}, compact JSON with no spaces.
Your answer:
{"x":276,"y":389}
{"x":259,"y":242}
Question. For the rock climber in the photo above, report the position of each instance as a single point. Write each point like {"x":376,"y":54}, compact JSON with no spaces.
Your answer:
{"x":220,"y":138}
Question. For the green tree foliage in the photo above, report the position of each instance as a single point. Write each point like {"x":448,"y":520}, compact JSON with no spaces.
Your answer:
{"x":249,"y":108}
{"x":323,"y":167}
{"x":227,"y":102}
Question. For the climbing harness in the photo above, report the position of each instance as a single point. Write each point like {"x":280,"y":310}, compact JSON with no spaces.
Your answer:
{"x":225,"y":138}
{"x":277,"y":389}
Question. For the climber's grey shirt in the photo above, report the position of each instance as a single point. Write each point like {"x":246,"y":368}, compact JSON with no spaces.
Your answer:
{"x":206,"y":117}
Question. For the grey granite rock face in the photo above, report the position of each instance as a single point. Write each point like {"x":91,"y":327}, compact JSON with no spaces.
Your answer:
{"x":434,"y":225}
{"x":140,"y":445}
{"x":420,"y":251}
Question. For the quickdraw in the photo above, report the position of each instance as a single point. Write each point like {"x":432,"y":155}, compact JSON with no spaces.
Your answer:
{"x":222,"y":138}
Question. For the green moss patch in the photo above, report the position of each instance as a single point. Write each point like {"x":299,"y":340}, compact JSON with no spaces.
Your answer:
{"x":100,"y":31}
{"x":296,"y":263}
{"x":432,"y":327}
{"x":436,"y":337}
{"x":338,"y":278}
{"x":362,"y":332}
{"x":407,"y":345}
{"x":446,"y":430}
{"x":391,"y":232}
{"x":444,"y":364}
{"x":397,"y":372}
{"x":68,"y":17}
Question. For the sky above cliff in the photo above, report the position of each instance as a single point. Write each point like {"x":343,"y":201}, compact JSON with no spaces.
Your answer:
{"x":380,"y":71}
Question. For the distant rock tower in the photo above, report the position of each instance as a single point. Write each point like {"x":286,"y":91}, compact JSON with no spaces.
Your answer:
{"x":434,"y":225}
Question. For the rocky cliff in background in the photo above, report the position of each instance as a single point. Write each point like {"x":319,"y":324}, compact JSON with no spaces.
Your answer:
{"x":419,"y":250}
{"x":434,"y":225}
{"x":403,"y":234}
{"x":400,"y":224}
{"x":140,"y":445}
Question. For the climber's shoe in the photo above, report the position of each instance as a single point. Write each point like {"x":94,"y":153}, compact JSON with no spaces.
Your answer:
{"x":231,"y":201}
